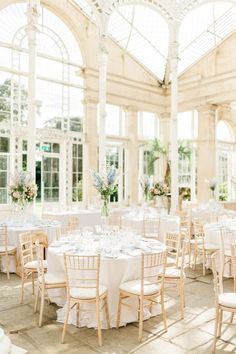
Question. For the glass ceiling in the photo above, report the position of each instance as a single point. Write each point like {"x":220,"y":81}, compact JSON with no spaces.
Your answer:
{"x":143,"y":33}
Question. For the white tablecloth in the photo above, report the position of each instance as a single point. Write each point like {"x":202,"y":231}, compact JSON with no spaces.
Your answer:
{"x":113,"y":272}
{"x":135,"y":220}
{"x":210,"y":212}
{"x":52,"y":229}
{"x":87,"y":217}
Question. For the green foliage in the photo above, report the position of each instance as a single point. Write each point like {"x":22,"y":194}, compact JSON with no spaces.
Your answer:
{"x":223,"y":192}
{"x":77,"y":194}
{"x":184,"y":150}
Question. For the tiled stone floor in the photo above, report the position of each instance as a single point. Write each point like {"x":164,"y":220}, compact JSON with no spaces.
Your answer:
{"x":192,"y":335}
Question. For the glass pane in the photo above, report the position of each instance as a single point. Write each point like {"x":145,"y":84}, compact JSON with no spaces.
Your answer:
{"x":55,"y":164}
{"x":47,"y":180}
{"x":80,"y":150}
{"x":3,"y":163}
{"x":55,"y":180}
{"x":3,"y":179}
{"x":74,"y":150}
{"x":4,"y":144}
{"x":75,"y":165}
{"x":80,"y":165}
{"x":56,"y":148}
{"x":47,"y":164}
{"x":47,"y":194}
{"x":55,"y":194}
{"x":3,"y":196}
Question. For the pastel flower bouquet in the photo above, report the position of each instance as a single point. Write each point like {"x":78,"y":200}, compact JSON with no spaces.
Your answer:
{"x":106,"y":185}
{"x":22,"y":190}
{"x":159,"y":189}
{"x":212,"y":183}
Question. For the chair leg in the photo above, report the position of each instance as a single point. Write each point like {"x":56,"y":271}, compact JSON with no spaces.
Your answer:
{"x":22,"y":287}
{"x":65,"y":321}
{"x":195,"y":258}
{"x":163,"y":311}
{"x":203,"y":262}
{"x":32,"y":278}
{"x":107,"y":312}
{"x":36,"y":300}
{"x":7,"y":266}
{"x":216,"y":330}
{"x":41,"y":307}
{"x":220,"y":323}
{"x":182,"y":300}
{"x":99,"y":324}
{"x":140,"y":331}
{"x":118,"y":311}
{"x":77,"y":314}
{"x":232,"y":317}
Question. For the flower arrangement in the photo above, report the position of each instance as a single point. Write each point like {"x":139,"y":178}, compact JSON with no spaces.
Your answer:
{"x":146,"y":185}
{"x":159,"y":189}
{"x":23,"y":189}
{"x":105,"y":183}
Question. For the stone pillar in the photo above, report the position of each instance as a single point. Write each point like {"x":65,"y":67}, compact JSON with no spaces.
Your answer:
{"x":90,"y":152}
{"x":165,"y":122}
{"x":102,"y":63}
{"x":174,"y":116}
{"x":132,"y":157}
{"x":206,"y":151}
{"x":32,"y":29}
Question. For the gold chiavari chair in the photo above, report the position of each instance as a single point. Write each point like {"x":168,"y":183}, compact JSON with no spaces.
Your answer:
{"x":45,"y":281}
{"x":173,"y":244}
{"x":176,"y":276}
{"x":6,"y":250}
{"x":151,"y":227}
{"x":83,"y":287}
{"x":203,"y":249}
{"x":73,"y":223}
{"x":224,"y":301}
{"x":28,"y":264}
{"x":148,"y":288}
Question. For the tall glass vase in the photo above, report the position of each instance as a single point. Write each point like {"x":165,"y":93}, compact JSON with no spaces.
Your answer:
{"x":105,"y":207}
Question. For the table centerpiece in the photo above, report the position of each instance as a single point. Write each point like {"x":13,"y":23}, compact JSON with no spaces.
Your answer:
{"x":22,"y":190}
{"x":106,"y":185}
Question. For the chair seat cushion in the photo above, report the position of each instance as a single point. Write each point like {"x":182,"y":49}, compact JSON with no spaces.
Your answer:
{"x":209,"y":246}
{"x":9,"y":248}
{"x":227,"y":299}
{"x":53,"y":279}
{"x":33,"y":264}
{"x":87,"y":293}
{"x":134,"y":287}
{"x":172,"y":273}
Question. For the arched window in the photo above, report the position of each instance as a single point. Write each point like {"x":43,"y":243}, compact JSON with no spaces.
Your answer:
{"x":59,"y":96}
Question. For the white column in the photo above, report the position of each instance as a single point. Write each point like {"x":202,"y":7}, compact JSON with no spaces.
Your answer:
{"x":174,"y":115}
{"x":32,"y":29}
{"x":165,"y":140}
{"x":132,"y":157}
{"x":90,"y":152}
{"x":102,"y":61}
{"x":206,"y":151}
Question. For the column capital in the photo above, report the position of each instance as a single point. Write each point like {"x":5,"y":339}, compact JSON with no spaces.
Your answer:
{"x":207,"y":108}
{"x":131,"y":109}
{"x":164,"y":115}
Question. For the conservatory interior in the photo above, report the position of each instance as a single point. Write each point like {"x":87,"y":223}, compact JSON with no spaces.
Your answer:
{"x":117,"y":176}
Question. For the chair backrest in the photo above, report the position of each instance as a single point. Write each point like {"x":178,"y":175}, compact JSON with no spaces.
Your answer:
{"x":217,"y":277}
{"x":82,"y":272}
{"x":153,"y":270}
{"x":26,"y":248}
{"x":233,"y":261}
{"x":40,"y":266}
{"x":151,"y":227}
{"x":197,"y":227}
{"x":227,"y":237}
{"x":173,"y":244}
{"x":73,"y":223}
{"x":3,"y":237}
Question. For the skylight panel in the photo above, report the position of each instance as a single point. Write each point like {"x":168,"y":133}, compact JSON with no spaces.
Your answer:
{"x":85,"y":7}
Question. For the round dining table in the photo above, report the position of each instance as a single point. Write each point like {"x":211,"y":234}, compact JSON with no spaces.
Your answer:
{"x":120,"y":262}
